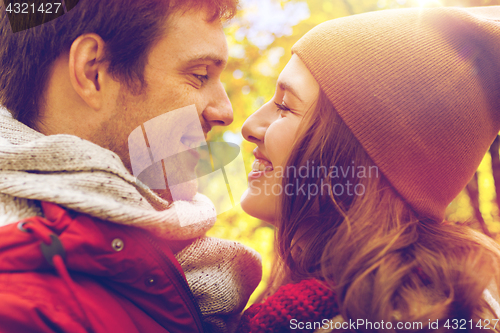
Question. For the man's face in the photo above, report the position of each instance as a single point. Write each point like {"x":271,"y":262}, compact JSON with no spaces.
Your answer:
{"x":183,"y":69}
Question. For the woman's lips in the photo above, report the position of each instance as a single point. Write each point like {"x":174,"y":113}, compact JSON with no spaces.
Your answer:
{"x":261,"y":165}
{"x":259,"y":168}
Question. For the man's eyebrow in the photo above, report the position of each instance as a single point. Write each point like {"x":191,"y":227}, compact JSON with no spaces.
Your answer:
{"x":217,"y":60}
{"x":287,"y":87}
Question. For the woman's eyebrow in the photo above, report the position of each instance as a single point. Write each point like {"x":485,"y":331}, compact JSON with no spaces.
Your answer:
{"x":287,"y":87}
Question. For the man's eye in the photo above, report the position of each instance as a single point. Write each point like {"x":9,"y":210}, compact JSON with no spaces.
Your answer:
{"x":202,"y":78}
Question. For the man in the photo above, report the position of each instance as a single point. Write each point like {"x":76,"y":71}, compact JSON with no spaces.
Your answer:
{"x":76,"y":88}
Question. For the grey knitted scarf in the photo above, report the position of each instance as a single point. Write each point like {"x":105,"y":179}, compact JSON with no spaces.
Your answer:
{"x":87,"y":178}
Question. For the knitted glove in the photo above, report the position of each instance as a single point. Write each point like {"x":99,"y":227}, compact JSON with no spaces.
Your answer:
{"x":306,"y":301}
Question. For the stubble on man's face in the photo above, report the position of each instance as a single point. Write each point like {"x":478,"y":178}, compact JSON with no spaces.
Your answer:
{"x":193,"y":49}
{"x":113,"y":134}
{"x":132,"y":110}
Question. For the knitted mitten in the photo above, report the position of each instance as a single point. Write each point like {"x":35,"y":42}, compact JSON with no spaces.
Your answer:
{"x":306,"y":301}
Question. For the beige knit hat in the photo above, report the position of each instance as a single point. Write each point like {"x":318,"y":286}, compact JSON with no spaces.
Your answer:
{"x":420,"y":90}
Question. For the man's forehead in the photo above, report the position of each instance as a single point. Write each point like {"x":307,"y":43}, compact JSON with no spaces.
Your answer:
{"x":196,"y":40}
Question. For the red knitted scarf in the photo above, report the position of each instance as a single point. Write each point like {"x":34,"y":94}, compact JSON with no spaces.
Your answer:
{"x":291,"y":308}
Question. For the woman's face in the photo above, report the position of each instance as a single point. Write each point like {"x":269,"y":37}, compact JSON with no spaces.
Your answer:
{"x":273,"y":128}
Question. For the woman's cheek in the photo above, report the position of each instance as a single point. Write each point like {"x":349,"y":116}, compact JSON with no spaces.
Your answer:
{"x":279,"y":140}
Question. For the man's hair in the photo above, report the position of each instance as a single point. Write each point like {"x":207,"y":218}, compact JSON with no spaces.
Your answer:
{"x":128,"y":27}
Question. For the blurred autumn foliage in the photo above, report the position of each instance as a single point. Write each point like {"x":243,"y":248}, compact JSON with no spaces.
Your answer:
{"x":260,"y":38}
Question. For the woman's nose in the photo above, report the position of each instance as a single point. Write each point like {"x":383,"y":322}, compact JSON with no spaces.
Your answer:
{"x":254,"y":128}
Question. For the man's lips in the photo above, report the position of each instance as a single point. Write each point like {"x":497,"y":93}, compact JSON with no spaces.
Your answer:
{"x":193,"y":141}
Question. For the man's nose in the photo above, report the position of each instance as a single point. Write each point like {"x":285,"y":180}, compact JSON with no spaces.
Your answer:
{"x":219,"y":112}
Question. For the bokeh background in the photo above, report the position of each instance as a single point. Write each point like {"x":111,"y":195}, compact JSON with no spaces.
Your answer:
{"x":260,"y":38}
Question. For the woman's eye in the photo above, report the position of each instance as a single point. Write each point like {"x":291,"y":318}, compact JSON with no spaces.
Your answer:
{"x":202,"y":78}
{"x":282,"y":107}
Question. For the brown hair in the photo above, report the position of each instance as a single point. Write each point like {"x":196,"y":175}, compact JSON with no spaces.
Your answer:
{"x":383,"y":261}
{"x":129,"y":27}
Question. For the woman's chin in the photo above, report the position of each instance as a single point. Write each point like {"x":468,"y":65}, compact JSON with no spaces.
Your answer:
{"x":259,"y":206}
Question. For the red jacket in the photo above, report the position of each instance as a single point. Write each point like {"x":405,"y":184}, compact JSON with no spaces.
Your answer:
{"x":121,"y":279}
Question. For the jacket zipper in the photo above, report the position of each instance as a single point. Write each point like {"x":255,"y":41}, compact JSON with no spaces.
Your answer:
{"x":180,"y":278}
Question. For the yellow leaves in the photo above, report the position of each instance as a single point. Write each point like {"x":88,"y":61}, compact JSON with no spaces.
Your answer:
{"x":487,"y":194}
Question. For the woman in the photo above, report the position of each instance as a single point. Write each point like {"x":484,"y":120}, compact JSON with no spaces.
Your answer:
{"x":378,"y":121}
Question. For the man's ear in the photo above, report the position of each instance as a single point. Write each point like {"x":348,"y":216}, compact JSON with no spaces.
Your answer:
{"x":86,"y":72}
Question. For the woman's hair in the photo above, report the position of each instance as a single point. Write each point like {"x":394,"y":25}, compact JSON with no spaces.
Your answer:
{"x":360,"y":236}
